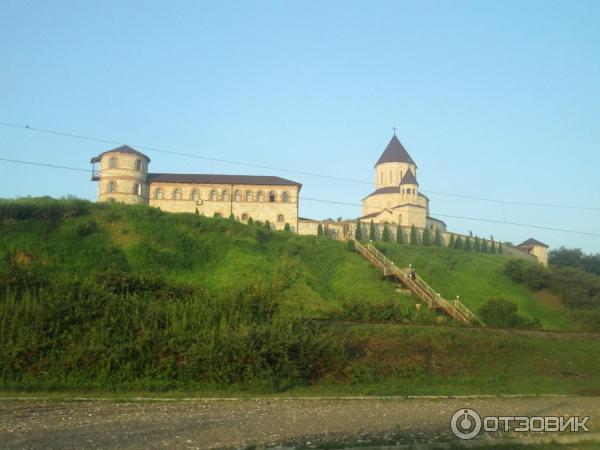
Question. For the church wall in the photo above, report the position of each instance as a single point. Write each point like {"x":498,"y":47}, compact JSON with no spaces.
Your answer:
{"x":392,"y":173}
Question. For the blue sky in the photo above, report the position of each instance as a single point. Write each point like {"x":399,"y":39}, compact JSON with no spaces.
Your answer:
{"x":492,"y":99}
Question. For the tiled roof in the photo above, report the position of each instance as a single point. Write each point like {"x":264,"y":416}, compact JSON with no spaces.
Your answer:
{"x":531,"y":241}
{"x":121,"y":149}
{"x":385,"y":190}
{"x":409,"y":178}
{"x":201,"y":178}
{"x":395,"y":152}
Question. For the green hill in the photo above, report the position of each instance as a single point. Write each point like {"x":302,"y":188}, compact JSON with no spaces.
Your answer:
{"x":109,"y":296}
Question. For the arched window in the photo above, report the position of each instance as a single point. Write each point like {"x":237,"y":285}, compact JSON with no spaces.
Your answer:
{"x":390,"y":176}
{"x":137,"y":189}
{"x":225,"y":196}
{"x":111,"y":187}
{"x":244,"y":217}
{"x":260,"y":197}
{"x":195,"y":195}
{"x":271,"y":197}
{"x":176,"y":194}
{"x":285,"y":197}
{"x":248,"y":196}
{"x":237,"y":196}
{"x":381,"y":176}
{"x":112,"y":162}
{"x":213,"y":195}
{"x":280,"y":218}
{"x":158,"y":194}
{"x":138,"y":165}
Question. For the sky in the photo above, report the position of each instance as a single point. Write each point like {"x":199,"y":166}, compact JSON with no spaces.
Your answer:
{"x":499,"y":100}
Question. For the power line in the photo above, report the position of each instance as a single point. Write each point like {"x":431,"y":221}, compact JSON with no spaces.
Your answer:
{"x":477,"y":219}
{"x":298,"y":172}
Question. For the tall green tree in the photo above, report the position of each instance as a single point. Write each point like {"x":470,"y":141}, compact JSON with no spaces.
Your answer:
{"x":197,"y":212}
{"x":399,"y":235}
{"x":372,"y":232}
{"x":414,"y":236}
{"x":452,"y":241}
{"x":484,"y":246}
{"x":267,"y":225}
{"x":250,"y":221}
{"x":500,"y":249}
{"x":438,"y":240}
{"x":468,"y":244}
{"x":385,"y":234}
{"x":458,"y":244}
{"x":286,"y":227}
{"x":231,"y":217}
{"x":358,"y":232}
{"x":493,"y":250}
{"x":320,"y":230}
{"x":426,"y":237}
{"x":477,"y":244}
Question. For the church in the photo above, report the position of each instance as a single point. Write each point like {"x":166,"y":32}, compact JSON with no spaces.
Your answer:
{"x":396,"y":199}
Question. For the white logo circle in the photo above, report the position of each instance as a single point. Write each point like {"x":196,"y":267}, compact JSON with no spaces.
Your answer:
{"x":465,"y":424}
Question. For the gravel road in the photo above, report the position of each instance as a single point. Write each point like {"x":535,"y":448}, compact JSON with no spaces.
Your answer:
{"x":241,"y":423}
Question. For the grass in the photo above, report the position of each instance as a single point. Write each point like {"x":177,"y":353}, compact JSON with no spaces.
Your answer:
{"x":475,"y":277}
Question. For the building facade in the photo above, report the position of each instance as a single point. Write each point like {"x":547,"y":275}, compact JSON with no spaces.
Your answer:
{"x":123,"y":176}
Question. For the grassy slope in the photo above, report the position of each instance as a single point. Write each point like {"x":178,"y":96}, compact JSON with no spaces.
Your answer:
{"x":213,"y":253}
{"x":475,"y":278}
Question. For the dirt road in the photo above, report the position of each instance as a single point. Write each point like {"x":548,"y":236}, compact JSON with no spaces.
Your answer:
{"x":241,"y":423}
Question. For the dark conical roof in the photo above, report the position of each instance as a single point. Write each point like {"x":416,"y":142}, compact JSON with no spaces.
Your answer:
{"x":530,"y":242}
{"x":409,"y":178}
{"x":395,"y":152}
{"x":121,"y":149}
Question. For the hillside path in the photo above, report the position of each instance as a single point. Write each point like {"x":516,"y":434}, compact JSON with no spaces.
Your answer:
{"x":237,"y":423}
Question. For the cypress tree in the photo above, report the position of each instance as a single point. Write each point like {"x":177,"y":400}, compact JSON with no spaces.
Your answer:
{"x":500,"y":251}
{"x":231,"y":217}
{"x":426,"y":237}
{"x":372,"y":232}
{"x":493,"y":248}
{"x":452,"y":242}
{"x":477,"y":245}
{"x":197,"y":212}
{"x":267,"y":225}
{"x":414,"y":237}
{"x":320,"y":230}
{"x":484,"y":246}
{"x":399,"y":235}
{"x":458,"y":244}
{"x":250,"y":221}
{"x":468,"y":244}
{"x":438,"y":241}
{"x":358,"y":231}
{"x":385,"y":234}
{"x":287,"y":227}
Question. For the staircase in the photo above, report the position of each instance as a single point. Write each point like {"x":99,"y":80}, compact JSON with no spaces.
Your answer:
{"x":455,"y":309}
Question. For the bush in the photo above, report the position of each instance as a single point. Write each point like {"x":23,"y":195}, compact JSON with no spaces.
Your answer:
{"x":502,"y":313}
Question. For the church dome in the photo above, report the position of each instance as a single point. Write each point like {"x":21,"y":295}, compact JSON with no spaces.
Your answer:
{"x":395,"y":152}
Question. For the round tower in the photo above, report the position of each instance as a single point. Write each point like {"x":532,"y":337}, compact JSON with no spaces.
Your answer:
{"x":121,"y":175}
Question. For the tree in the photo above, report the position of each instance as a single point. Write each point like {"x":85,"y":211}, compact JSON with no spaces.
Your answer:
{"x":477,"y":244}
{"x":286,"y":227}
{"x":197,"y":212}
{"x":500,"y":250}
{"x":426,"y":237}
{"x":372,"y":232}
{"x":414,"y":236}
{"x":320,"y":230}
{"x":458,"y":244}
{"x":358,"y":231}
{"x":231,"y":217}
{"x":493,"y":248}
{"x":452,"y":242}
{"x":484,"y":246}
{"x":250,"y":221}
{"x":385,"y":234}
{"x":499,"y":312}
{"x":468,"y":244}
{"x":399,"y":235}
{"x":267,"y":225}
{"x":438,"y":241}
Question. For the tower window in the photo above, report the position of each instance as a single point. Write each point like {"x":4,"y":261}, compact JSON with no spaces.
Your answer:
{"x":138,"y":165}
{"x":213,"y":195}
{"x":137,"y":189}
{"x":195,"y":195}
{"x":271,"y":197}
{"x":260,"y":197}
{"x":176,"y":194}
{"x":112,"y":162}
{"x":248,"y":196}
{"x":111,"y":187}
{"x":225,"y":196}
{"x":158,"y":194}
{"x":237,"y":196}
{"x":285,"y":198}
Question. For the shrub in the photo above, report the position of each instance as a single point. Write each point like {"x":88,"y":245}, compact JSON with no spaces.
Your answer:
{"x":385,"y":235}
{"x":426,"y":237}
{"x":399,"y":235}
{"x":414,"y":236}
{"x":499,"y":312}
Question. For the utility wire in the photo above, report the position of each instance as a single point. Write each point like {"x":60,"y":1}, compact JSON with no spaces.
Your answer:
{"x":279,"y":169}
{"x":334,"y":202}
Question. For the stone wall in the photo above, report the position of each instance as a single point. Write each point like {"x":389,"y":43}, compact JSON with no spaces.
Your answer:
{"x":120,"y":180}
